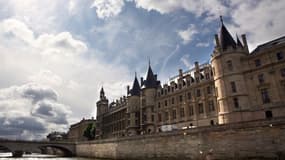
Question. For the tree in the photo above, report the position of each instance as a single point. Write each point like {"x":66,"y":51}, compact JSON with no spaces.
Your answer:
{"x":90,"y":131}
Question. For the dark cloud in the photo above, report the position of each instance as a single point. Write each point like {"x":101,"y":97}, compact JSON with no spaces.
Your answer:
{"x":31,"y":111}
{"x":38,"y":93}
{"x":51,"y":111}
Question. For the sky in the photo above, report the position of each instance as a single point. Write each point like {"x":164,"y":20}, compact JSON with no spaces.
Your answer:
{"x":56,"y":55}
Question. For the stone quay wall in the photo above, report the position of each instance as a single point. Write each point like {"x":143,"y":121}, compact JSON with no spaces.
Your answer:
{"x":252,"y":140}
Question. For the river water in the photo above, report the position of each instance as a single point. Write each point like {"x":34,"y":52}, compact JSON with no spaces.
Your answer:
{"x":7,"y":156}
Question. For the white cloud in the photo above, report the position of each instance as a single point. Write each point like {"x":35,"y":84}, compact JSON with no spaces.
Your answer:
{"x":212,"y":8}
{"x":59,"y":61}
{"x":108,"y":8}
{"x":188,"y":34}
{"x":261,"y":20}
{"x":186,"y":61}
{"x":203,"y":44}
{"x":46,"y":77}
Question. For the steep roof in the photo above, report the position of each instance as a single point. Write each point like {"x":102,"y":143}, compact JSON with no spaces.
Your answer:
{"x":150,"y":81}
{"x":269,"y":44}
{"x":135,"y":91}
{"x":226,"y":39}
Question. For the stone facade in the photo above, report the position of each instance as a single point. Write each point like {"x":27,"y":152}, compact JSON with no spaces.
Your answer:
{"x":237,"y":86}
{"x":76,"y":131}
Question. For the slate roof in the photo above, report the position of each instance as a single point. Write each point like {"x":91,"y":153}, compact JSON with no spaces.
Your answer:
{"x":135,"y":91}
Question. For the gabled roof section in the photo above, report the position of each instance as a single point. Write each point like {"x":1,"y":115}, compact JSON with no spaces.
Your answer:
{"x":269,"y":44}
{"x":135,"y":91}
{"x":226,"y":39}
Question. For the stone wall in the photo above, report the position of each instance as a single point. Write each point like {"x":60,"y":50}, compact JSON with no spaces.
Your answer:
{"x":259,"y":140}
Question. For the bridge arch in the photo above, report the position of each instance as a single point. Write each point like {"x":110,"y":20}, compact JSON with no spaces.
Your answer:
{"x":66,"y":152}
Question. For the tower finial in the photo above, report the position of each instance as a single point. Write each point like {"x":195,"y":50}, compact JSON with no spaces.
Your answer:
{"x":221,"y":18}
{"x":135,"y":74}
{"x":148,"y":61}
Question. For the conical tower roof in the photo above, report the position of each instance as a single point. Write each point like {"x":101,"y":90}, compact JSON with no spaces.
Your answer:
{"x":135,"y":91}
{"x":150,"y":81}
{"x":226,"y":39}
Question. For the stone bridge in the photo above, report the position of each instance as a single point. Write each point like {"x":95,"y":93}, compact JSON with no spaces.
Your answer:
{"x":19,"y":147}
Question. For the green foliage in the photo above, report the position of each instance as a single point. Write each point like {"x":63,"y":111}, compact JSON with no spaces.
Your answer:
{"x":90,"y":131}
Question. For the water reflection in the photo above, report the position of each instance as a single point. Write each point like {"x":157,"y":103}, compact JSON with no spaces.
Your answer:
{"x":8,"y":156}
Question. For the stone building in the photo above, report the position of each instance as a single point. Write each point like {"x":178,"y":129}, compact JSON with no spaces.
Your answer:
{"x":237,"y":86}
{"x":76,"y":131}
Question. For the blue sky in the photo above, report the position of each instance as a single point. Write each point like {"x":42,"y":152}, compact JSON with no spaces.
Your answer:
{"x":55,"y":55}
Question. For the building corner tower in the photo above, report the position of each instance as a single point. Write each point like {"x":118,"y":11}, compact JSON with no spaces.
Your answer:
{"x":102,"y":108}
{"x":228,"y":67}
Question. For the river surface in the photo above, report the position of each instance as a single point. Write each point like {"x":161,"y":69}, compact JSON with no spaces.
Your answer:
{"x":7,"y":156}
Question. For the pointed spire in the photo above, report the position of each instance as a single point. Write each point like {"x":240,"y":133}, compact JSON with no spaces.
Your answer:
{"x":221,"y":19}
{"x":102,"y":90}
{"x":239,"y":44}
{"x":102,"y":93}
{"x":135,"y":91}
{"x":226,"y":39}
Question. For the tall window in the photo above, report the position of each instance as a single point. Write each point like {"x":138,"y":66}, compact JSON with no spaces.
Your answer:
{"x":265,"y":96}
{"x":213,"y":69}
{"x":174,"y":114}
{"x":260,"y":78}
{"x":165,"y":103}
{"x":191,"y":110}
{"x":233,"y":86}
{"x":172,"y":100}
{"x":236,"y":102}
{"x":279,"y":56}
{"x":198,"y":92}
{"x":182,"y":113}
{"x":189,"y":95}
{"x":257,"y":62}
{"x":230,"y":65}
{"x":200,"y":108}
{"x":158,"y":104}
{"x":209,"y":90}
{"x":180,"y":98}
{"x":211,"y":106}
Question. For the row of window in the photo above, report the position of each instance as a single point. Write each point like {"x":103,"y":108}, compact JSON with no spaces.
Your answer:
{"x":211,"y":108}
{"x":229,"y":63}
{"x":279,"y":57}
{"x":180,"y":85}
{"x":189,"y":96}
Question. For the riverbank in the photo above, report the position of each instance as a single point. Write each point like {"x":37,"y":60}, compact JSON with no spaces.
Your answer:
{"x":258,"y":139}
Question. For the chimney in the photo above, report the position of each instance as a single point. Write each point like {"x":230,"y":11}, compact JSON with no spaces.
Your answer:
{"x":180,"y":73}
{"x":155,"y":76}
{"x":197,"y":66}
{"x":141,"y":81}
{"x":128,"y":89}
{"x":217,"y":41}
{"x":244,"y":41}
